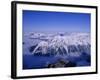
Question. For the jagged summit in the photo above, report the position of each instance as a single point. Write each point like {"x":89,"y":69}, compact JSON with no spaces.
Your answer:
{"x":61,"y":43}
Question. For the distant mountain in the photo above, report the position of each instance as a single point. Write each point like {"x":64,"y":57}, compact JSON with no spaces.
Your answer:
{"x":56,"y":44}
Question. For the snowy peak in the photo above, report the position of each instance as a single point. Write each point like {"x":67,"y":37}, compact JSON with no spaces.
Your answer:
{"x":61,"y":44}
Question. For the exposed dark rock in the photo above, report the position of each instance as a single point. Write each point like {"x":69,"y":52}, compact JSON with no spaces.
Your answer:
{"x":32,"y":48}
{"x":61,"y":34}
{"x":23,"y":43}
{"x":51,"y":66}
{"x":70,"y":64}
{"x":61,"y":63}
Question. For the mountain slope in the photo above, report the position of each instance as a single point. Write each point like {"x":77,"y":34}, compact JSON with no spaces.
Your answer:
{"x":60,"y":44}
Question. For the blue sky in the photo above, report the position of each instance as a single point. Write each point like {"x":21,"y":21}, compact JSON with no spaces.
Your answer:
{"x":45,"y":21}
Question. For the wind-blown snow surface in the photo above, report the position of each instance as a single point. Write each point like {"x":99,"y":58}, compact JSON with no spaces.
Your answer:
{"x":49,"y":47}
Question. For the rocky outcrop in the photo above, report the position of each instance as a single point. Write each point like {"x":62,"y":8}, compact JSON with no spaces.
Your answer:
{"x":61,"y":63}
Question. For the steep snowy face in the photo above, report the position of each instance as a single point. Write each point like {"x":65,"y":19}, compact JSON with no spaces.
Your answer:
{"x":58,"y":45}
{"x":41,"y":47}
{"x":57,"y":41}
{"x":73,"y":44}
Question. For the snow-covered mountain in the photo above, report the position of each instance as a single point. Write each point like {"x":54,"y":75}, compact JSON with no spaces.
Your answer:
{"x":57,"y":43}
